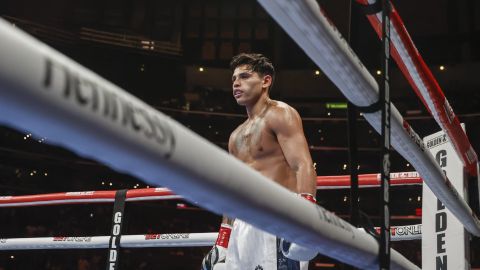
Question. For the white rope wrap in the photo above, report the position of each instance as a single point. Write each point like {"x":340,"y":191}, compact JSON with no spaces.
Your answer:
{"x":50,"y":95}
{"x":304,"y":21}
{"x":127,"y":241}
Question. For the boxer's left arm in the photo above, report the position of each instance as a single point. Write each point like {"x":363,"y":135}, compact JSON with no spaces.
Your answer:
{"x":287,"y":126}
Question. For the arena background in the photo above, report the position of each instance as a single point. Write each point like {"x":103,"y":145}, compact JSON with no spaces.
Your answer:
{"x":174,"y":55}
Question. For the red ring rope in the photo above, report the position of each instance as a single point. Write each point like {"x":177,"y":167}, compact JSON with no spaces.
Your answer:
{"x":144,"y":194}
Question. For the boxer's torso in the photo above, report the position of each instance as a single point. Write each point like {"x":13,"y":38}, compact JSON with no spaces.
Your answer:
{"x":255,"y":143}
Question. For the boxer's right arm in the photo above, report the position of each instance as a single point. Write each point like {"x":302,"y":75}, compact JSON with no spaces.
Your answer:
{"x":232,"y":150}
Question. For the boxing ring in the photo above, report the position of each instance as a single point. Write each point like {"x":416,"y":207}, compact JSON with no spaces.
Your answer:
{"x":46,"y":93}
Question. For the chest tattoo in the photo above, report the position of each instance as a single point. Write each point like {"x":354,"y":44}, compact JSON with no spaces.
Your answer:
{"x":249,"y":136}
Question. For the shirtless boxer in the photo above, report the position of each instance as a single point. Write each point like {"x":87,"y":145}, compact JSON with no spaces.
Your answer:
{"x":272,"y":142}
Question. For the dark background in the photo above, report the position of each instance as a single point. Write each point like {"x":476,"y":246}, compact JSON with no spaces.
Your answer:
{"x":155,"y":49}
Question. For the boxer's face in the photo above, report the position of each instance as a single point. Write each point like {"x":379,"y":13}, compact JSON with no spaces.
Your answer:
{"x":248,"y":85}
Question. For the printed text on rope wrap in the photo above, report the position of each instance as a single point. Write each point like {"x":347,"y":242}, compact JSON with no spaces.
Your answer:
{"x":334,"y":220}
{"x":172,"y":236}
{"x":94,"y":96}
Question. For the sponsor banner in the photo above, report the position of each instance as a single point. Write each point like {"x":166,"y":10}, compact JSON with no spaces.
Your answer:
{"x":403,"y":175}
{"x":80,"y":193}
{"x":173,"y":236}
{"x":404,"y":233}
{"x":162,"y":190}
{"x":71,"y":239}
{"x":410,"y":230}
{"x":444,"y":244}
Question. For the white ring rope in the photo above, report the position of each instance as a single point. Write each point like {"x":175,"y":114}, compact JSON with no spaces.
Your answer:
{"x":304,"y":21}
{"x":50,"y":95}
{"x":126,"y":241}
{"x":151,"y":194}
{"x":398,"y":233}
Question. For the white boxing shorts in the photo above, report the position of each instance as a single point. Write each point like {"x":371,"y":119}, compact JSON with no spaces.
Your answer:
{"x":250,"y":248}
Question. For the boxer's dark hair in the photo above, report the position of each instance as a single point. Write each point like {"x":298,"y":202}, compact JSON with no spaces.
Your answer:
{"x":257,"y":63}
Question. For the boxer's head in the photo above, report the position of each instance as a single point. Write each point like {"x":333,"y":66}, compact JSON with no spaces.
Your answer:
{"x":253,"y":75}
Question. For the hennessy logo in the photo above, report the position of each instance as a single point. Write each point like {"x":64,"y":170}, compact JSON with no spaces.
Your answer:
{"x":96,"y":96}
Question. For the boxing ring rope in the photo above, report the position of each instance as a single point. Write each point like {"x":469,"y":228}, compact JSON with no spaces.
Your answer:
{"x":421,"y":79}
{"x":398,"y":233}
{"x":79,"y":197}
{"x":150,"y":194}
{"x":126,"y":241}
{"x":305,"y":22}
{"x":48,"y":94}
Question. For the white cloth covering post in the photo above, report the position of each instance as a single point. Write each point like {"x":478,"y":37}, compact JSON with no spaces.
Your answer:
{"x":445,"y":242}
